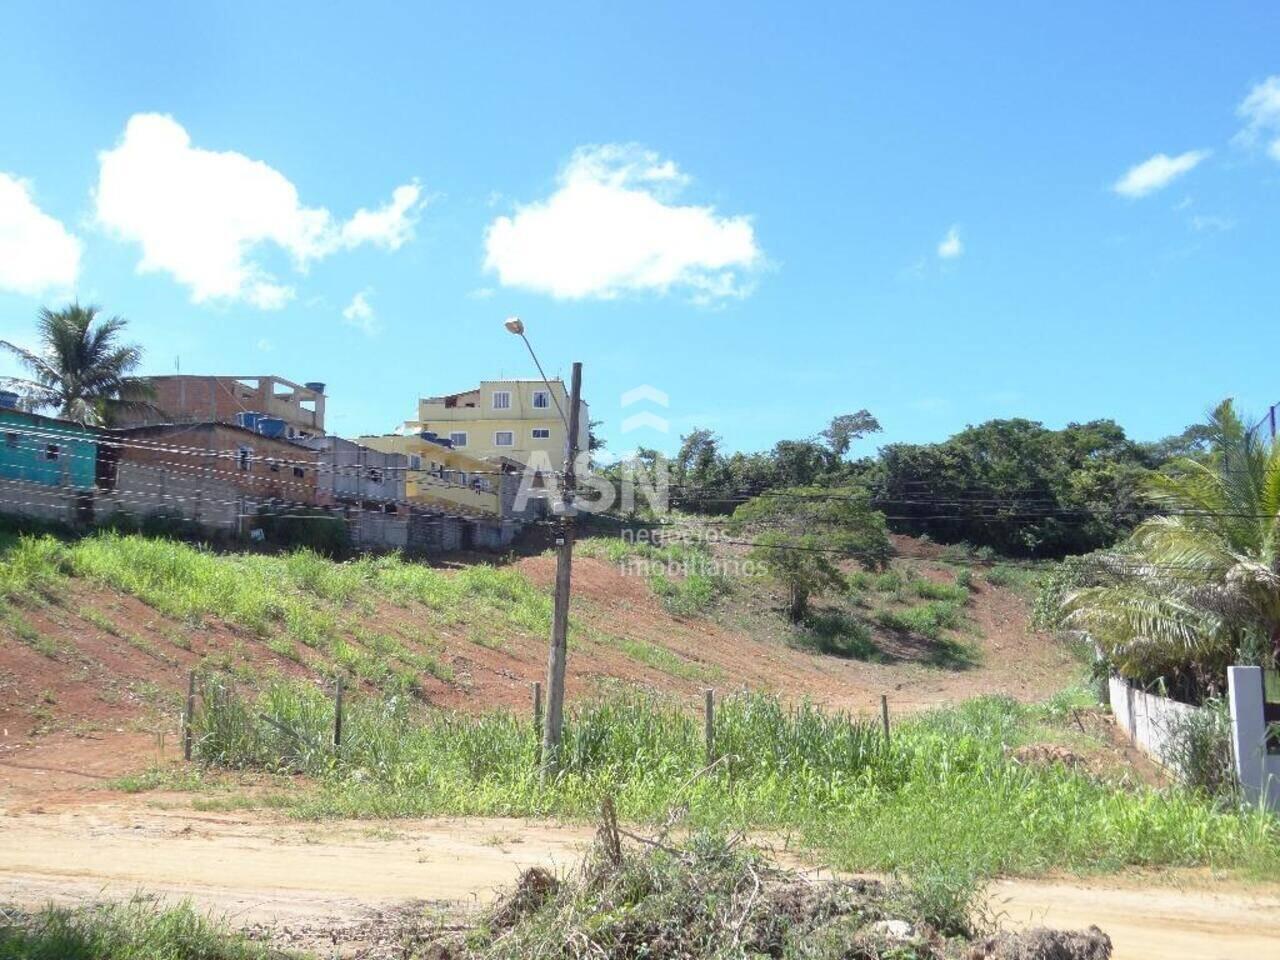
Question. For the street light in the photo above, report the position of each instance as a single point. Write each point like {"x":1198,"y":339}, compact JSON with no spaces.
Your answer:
{"x":553,"y":721}
{"x":516,"y":325}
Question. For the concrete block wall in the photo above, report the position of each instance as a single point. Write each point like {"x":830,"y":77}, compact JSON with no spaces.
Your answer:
{"x":143,"y":490}
{"x":1148,"y":719}
{"x":40,"y":501}
{"x":380,"y":531}
{"x":431,"y":532}
{"x":497,"y":535}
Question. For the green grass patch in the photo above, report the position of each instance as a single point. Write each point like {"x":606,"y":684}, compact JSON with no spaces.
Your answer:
{"x":25,"y":630}
{"x":838,"y":634}
{"x":133,"y":930}
{"x":927,"y":620}
{"x":941,"y":791}
{"x":659,"y":658}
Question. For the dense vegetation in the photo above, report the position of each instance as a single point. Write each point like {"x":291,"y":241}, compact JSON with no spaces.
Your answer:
{"x":1196,"y":587}
{"x":942,"y":790}
{"x":1013,"y":486}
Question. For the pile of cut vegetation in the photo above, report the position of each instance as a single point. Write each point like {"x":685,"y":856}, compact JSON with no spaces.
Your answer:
{"x":718,"y":898}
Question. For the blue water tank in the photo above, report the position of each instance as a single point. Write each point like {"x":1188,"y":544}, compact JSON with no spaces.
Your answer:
{"x":8,"y":400}
{"x":271,"y":426}
{"x":248,"y":419}
{"x":315,"y":385}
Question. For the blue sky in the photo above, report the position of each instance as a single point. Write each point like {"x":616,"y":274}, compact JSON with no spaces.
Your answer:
{"x":746,"y":206}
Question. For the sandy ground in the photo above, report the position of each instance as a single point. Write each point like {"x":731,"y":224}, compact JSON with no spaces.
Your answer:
{"x":257,"y":868}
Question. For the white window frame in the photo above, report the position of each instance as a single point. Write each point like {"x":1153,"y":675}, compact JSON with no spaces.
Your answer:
{"x":454,"y":435}
{"x":540,"y":433}
{"x":506,"y":400}
{"x":507,"y":433}
{"x":415,"y":462}
{"x":545,"y":395}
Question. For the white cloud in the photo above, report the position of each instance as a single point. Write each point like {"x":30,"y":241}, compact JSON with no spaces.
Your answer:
{"x":390,"y":226}
{"x":205,"y":216}
{"x":613,"y":227}
{"x":265,"y":345}
{"x":951,"y":245}
{"x":1260,"y":110}
{"x":359,"y":314}
{"x":1207,"y":223}
{"x":1157,"y":173}
{"x":37,"y":253}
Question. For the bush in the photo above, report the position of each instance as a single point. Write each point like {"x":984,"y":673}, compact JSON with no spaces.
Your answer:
{"x":932,"y":590}
{"x":1199,"y":750}
{"x":837,"y":634}
{"x":927,"y":620}
{"x":294,"y":527}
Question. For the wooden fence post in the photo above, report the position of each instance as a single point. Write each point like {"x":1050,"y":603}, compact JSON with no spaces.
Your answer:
{"x":337,"y":716}
{"x":709,"y":723}
{"x":884,"y":715}
{"x":537,"y":721}
{"x":188,"y":715}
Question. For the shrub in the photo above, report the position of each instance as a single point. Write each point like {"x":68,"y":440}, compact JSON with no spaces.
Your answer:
{"x":927,"y":620}
{"x":318,"y":530}
{"x":836,"y":633}
{"x":932,"y":590}
{"x":1199,"y":749}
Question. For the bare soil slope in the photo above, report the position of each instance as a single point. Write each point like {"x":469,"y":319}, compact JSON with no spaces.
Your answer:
{"x":105,"y":665}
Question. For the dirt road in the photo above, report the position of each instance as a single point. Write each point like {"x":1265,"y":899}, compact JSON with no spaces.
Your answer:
{"x":256,"y":868}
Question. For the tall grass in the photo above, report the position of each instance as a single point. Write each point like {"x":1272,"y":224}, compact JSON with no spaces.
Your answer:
{"x":133,"y":930}
{"x":940,"y":791}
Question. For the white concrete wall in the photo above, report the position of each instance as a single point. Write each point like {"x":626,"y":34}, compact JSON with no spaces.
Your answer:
{"x":1148,"y":719}
{"x":142,"y":490}
{"x":1259,"y":772}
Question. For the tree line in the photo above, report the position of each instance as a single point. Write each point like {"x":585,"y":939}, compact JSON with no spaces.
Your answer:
{"x":1012,"y":485}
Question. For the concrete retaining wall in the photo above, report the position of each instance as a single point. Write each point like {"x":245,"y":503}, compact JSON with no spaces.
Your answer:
{"x":1148,"y":719}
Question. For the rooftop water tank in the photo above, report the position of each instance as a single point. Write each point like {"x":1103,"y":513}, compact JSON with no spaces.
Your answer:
{"x":316,"y":386}
{"x":248,"y":419}
{"x":8,"y":400}
{"x":271,"y":426}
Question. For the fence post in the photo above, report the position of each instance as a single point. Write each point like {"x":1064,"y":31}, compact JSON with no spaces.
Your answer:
{"x":337,"y":716}
{"x":537,"y":721}
{"x":709,"y":723}
{"x":188,"y":715}
{"x":884,"y":715}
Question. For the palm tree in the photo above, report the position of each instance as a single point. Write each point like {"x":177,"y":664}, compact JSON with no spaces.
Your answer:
{"x":1197,"y":587}
{"x":83,"y":370}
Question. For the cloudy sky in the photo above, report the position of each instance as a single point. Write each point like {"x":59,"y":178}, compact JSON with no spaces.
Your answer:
{"x":769,"y":213}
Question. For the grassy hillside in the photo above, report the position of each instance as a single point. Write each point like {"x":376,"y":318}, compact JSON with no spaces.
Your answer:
{"x":100,"y":632}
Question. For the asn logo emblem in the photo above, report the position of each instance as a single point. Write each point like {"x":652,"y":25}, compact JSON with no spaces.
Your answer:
{"x":638,"y":421}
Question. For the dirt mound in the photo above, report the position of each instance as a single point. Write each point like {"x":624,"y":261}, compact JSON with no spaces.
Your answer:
{"x":1042,"y":944}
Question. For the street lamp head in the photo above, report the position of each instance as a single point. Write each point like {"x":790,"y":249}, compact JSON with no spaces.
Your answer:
{"x":515,"y":325}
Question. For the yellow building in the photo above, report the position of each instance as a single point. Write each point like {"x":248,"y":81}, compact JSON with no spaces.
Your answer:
{"x":443,"y":477}
{"x":503,"y":419}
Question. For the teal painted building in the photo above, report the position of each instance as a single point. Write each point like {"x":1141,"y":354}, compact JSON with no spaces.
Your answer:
{"x":47,"y":451}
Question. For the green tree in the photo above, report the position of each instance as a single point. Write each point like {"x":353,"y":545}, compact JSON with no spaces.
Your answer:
{"x":801,"y":533}
{"x":1196,"y":587}
{"x":82,"y":369}
{"x":848,"y":427}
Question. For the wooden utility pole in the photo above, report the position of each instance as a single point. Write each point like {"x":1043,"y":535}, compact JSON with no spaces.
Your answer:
{"x":553,"y":722}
